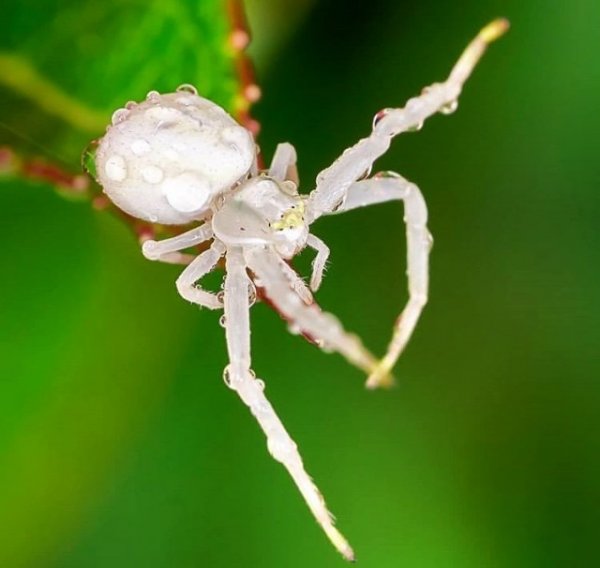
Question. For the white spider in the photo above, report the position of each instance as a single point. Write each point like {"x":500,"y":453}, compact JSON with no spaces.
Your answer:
{"x":177,"y":158}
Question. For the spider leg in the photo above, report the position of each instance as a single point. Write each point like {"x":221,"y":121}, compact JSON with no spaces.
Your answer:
{"x":309,"y":319}
{"x":387,"y":187}
{"x":381,"y":188}
{"x":296,"y":282}
{"x":239,"y":377}
{"x":333,"y":182}
{"x":319,"y":262}
{"x":283,"y":167}
{"x":178,"y":258}
{"x":200,"y":266}
{"x":167,"y":249}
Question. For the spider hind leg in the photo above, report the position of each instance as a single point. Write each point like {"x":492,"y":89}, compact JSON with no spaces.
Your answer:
{"x":387,"y":187}
{"x":310,"y":319}
{"x":239,"y":377}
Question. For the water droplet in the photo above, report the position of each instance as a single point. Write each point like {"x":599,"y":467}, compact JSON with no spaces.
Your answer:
{"x":380,"y":116}
{"x":221,"y":297}
{"x":227,"y":376}
{"x":223,"y":321}
{"x":115,"y":168}
{"x":152,"y":174}
{"x":119,"y":115}
{"x":187,"y":88}
{"x":260,"y":384}
{"x":387,"y":174}
{"x":153,"y":96}
{"x":130,"y":105}
{"x":429,"y":240}
{"x":154,"y":218}
{"x":140,"y":147}
{"x":450,"y":107}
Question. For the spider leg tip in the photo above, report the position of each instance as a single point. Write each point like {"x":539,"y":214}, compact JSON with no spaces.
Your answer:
{"x":494,"y":30}
{"x":380,"y":377}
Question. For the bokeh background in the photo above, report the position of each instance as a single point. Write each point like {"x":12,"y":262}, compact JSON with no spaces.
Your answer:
{"x":119,"y":444}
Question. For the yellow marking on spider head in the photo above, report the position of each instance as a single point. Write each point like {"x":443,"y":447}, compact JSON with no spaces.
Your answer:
{"x":292,"y":218}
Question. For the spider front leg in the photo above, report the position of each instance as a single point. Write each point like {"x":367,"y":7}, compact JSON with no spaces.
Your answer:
{"x":296,"y":283}
{"x":199,"y":267}
{"x":318,"y":264}
{"x":167,"y":250}
{"x":308,"y":319}
{"x":333,"y":182}
{"x":283,"y":167}
{"x":239,"y":377}
{"x":388,"y":187}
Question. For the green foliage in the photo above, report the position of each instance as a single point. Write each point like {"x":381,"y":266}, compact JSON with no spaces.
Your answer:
{"x":120,"y":447}
{"x":69,"y":413}
{"x":67,"y":65}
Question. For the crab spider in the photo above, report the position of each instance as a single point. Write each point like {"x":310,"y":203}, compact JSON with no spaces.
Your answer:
{"x":178,"y":158}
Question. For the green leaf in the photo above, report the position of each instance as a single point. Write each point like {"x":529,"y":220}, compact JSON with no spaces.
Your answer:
{"x":66,"y":65}
{"x":69,"y":413}
{"x":84,"y":369}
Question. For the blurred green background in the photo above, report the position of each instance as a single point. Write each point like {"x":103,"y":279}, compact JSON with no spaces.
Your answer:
{"x":119,"y":444}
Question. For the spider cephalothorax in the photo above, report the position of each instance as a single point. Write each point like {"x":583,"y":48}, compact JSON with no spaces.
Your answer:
{"x":177,"y":158}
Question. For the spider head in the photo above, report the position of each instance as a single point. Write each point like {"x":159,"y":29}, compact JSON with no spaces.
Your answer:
{"x":165,"y":159}
{"x":281,"y":210}
{"x":290,"y":230}
{"x":263,"y":211}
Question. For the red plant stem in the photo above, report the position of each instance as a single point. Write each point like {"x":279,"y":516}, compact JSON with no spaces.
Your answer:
{"x":37,"y":169}
{"x":249,"y":92}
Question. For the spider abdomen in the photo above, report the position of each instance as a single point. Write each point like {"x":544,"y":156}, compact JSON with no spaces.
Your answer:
{"x":165,"y":159}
